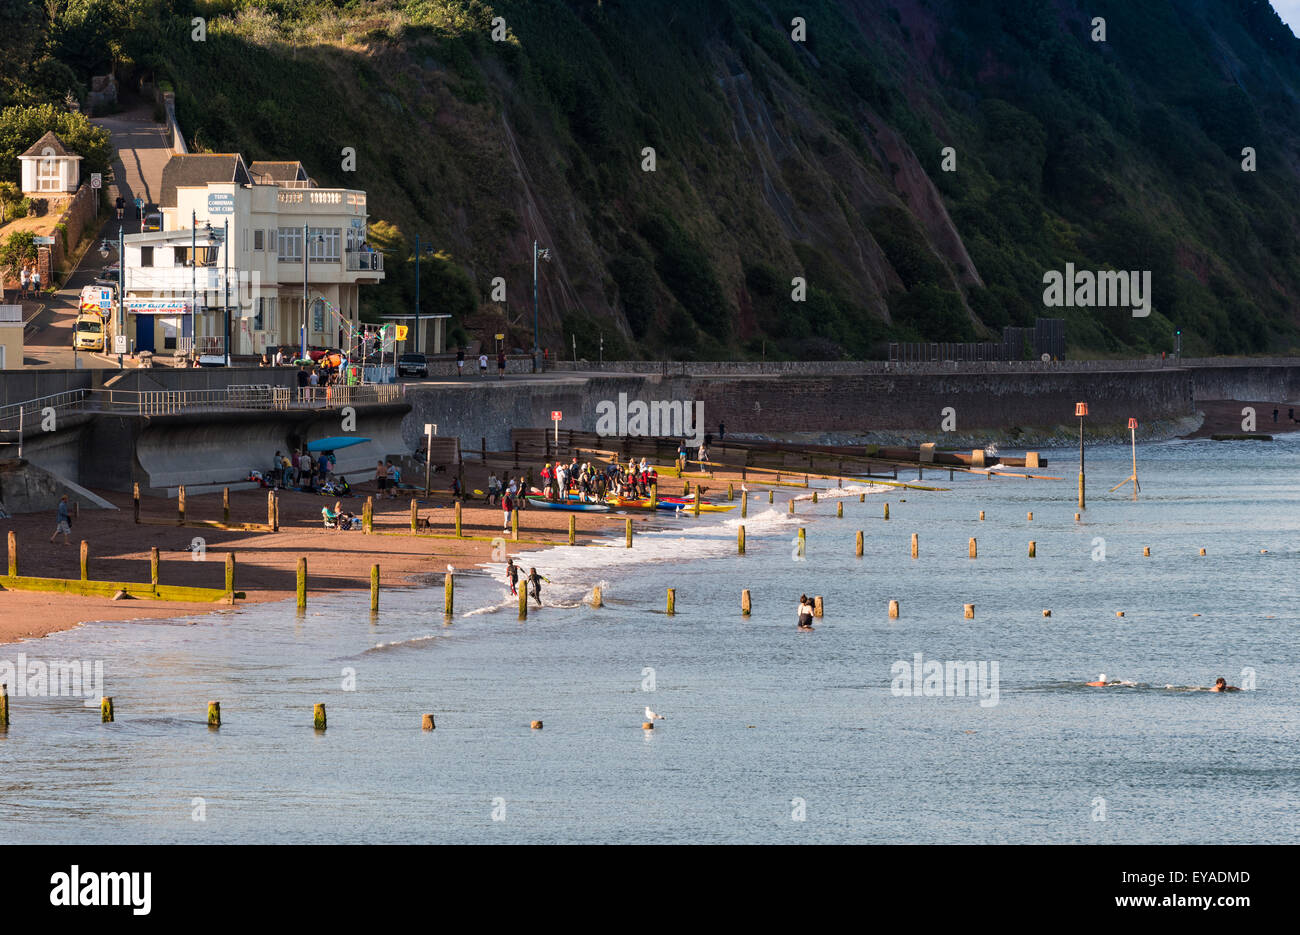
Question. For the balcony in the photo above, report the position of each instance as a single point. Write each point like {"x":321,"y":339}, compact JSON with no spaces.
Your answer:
{"x":365,"y":260}
{"x":322,"y":197}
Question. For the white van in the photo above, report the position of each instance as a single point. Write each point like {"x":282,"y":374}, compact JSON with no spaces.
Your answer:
{"x":98,"y":300}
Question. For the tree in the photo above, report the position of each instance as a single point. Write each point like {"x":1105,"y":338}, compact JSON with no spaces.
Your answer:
{"x":18,"y":249}
{"x":22,"y":126}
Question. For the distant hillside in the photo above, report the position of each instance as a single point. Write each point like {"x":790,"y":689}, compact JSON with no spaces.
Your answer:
{"x":775,"y":159}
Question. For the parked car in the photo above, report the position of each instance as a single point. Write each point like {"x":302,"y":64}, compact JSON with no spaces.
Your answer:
{"x":107,"y":276}
{"x":88,"y":332}
{"x":415,"y":365}
{"x":153,"y":220}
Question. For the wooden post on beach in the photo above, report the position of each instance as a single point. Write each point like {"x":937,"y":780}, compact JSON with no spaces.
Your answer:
{"x":374,"y":589}
{"x":672,"y":601}
{"x":270,"y":510}
{"x":13,"y":555}
{"x":85,"y":559}
{"x":686,"y":489}
{"x":968,"y":611}
{"x":106,"y":710}
{"x":458,"y":518}
{"x":695,"y":504}
{"x":916,"y":545}
{"x":180,"y":505}
{"x":627,"y":528}
{"x":214,"y":713}
{"x":153,"y":567}
{"x":368,"y":515}
{"x":972,"y":548}
{"x":415,"y":515}
{"x":745,"y":605}
{"x":135,"y":502}
{"x":573,"y":529}
{"x":740,"y":540}
{"x":230,"y":577}
{"x":654,"y":492}
{"x":514,"y":525}
{"x":523,"y":601}
{"x":893,"y":610}
{"x":448,"y":593}
{"x":839,"y":509}
{"x":857,"y":548}
{"x":1033,"y":549}
{"x":225,"y":504}
{"x":731,"y":491}
{"x":318,"y":716}
{"x":818,"y":607}
{"x":302,"y":582}
{"x":886,"y":511}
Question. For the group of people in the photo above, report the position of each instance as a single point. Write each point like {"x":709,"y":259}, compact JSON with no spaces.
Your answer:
{"x":1220,"y":684}
{"x":591,"y":485}
{"x":388,"y":478}
{"x":532,"y":580}
{"x":29,"y":282}
{"x":301,"y":469}
{"x":482,"y":363}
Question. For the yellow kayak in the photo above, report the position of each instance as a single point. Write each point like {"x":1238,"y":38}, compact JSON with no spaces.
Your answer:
{"x":643,"y":503}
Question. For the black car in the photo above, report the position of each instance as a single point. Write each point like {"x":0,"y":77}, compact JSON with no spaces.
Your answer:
{"x":415,"y":365}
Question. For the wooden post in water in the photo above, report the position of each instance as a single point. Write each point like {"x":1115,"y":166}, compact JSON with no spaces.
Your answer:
{"x":968,"y":610}
{"x":225,"y":504}
{"x":4,"y":706}
{"x":971,"y":548}
{"x":627,"y":528}
{"x":1146,"y":551}
{"x":803,"y":541}
{"x":790,"y":507}
{"x":981,"y":516}
{"x":916,"y":545}
{"x":731,"y":491}
{"x":302,"y":582}
{"x":368,"y":515}
{"x":744,"y":504}
{"x":814,"y":496}
{"x":862,"y":498}
{"x":135,"y":502}
{"x":448,"y":593}
{"x":769,"y":496}
{"x":523,"y":601}
{"x":839,"y":509}
{"x":85,"y":559}
{"x":458,"y":520}
{"x":893,"y":610}
{"x":1031,"y":516}
{"x":318,"y":716}
{"x":214,"y":713}
{"x":740,"y":540}
{"x":153,"y":567}
{"x":105,"y":710}
{"x":1033,"y":549}
{"x":672,"y":601}
{"x":427,"y":722}
{"x":695,"y":504}
{"x":230,"y":577}
{"x":180,"y":505}
{"x":374,"y":589}
{"x":597,"y":599}
{"x":13,"y":554}
{"x":818,"y":607}
{"x":573,"y":529}
{"x":857,"y":548}
{"x":745,"y":605}
{"x":886,"y":511}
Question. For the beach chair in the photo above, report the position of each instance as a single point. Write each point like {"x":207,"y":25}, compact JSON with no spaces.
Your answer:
{"x":329,"y":517}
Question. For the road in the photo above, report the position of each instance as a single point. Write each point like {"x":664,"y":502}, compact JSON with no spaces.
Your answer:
{"x":142,"y":151}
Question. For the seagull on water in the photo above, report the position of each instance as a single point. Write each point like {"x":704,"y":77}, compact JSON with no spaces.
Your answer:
{"x":651,"y":716}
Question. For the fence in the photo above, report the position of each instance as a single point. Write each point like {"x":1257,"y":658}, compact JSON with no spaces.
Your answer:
{"x":343,"y":395}
{"x":170,"y":402}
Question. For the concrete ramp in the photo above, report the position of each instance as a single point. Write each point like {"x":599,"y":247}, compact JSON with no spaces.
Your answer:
{"x":26,"y":488}
{"x":214,"y":450}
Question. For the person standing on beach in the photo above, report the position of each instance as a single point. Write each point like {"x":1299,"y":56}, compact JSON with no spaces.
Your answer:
{"x":535,"y":580}
{"x":394,"y":478}
{"x":304,"y":469}
{"x":512,"y":576}
{"x":494,"y":489}
{"x":507,"y":504}
{"x":63,"y":522}
{"x":381,"y":479}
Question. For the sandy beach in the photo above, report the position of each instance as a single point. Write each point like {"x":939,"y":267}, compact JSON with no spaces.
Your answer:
{"x":266,"y":562}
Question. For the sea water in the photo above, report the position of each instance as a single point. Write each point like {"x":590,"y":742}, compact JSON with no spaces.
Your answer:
{"x":769,"y":734}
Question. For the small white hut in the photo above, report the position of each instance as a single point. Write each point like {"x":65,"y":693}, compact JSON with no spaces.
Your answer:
{"x":48,"y":168}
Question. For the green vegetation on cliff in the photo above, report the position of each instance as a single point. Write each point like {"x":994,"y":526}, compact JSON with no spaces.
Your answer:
{"x":781,"y":167}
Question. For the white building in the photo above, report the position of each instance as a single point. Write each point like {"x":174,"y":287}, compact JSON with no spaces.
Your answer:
{"x":48,"y":168}
{"x":271,"y":209}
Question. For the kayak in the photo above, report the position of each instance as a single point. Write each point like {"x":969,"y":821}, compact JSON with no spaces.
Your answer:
{"x":643,"y":503}
{"x":572,"y":505}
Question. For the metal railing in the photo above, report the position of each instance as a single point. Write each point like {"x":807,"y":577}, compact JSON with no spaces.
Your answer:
{"x":344,"y":395}
{"x":365,"y":260}
{"x":171,"y":402}
{"x":19,"y":419}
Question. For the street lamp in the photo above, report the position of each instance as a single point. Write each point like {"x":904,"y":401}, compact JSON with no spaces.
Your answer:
{"x":1081,"y":410}
{"x":428,"y":250}
{"x":543,"y":253}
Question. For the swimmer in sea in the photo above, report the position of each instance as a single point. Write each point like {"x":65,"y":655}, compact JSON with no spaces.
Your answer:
{"x":805,"y":613}
{"x":1221,"y":685}
{"x":536,"y":581}
{"x":1100,"y":683}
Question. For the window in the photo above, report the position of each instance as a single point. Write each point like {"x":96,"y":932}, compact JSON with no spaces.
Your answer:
{"x":259,"y":317}
{"x":47,"y":175}
{"x":290,"y":244}
{"x":356,"y":236}
{"x":323,"y":244}
{"x":146,"y":256}
{"x":180,"y":256}
{"x":258,"y":239}
{"x":318,"y":316}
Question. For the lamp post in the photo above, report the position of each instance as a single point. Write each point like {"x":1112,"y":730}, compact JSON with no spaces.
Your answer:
{"x":543,"y":253}
{"x":1081,"y":410}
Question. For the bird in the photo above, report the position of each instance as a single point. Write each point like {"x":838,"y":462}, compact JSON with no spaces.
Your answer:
{"x":651,"y":716}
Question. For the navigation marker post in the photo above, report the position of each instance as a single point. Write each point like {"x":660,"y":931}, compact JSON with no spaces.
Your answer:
{"x":556,"y":416}
{"x":1132,"y":428}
